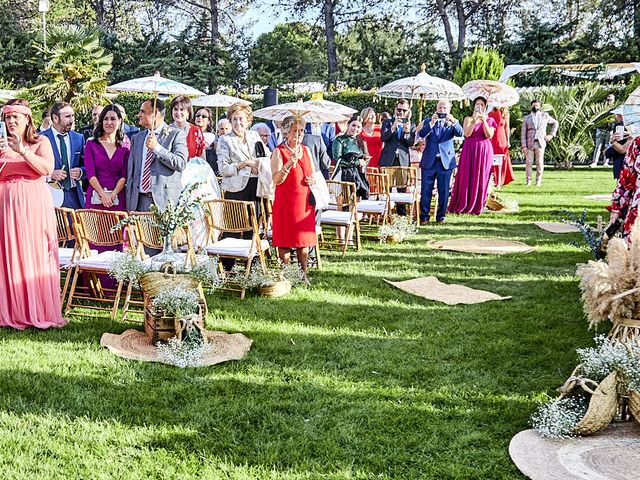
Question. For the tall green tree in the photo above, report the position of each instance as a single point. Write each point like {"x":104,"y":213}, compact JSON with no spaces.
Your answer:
{"x":292,"y":52}
{"x":481,"y":64}
{"x":332,"y":15}
{"x":76,"y":69}
{"x":377,"y":50}
{"x":219,"y":18}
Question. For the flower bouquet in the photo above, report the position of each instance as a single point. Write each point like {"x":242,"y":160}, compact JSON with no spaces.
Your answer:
{"x":398,"y":230}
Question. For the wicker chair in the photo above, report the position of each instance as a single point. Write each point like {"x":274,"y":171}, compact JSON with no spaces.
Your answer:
{"x":150,"y":236}
{"x":404,"y":178}
{"x":66,"y":254}
{"x":94,"y":227}
{"x":236,"y":217}
{"x":377,"y":208}
{"x":342,"y":213}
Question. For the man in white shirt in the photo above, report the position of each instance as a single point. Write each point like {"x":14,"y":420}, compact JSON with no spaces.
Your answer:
{"x":68,"y":149}
{"x":158,"y":156}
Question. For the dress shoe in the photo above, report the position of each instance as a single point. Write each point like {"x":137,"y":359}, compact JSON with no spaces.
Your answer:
{"x":424,"y":223}
{"x":440,"y":222}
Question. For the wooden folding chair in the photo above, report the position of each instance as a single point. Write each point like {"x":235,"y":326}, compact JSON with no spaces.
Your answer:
{"x":342,"y":213}
{"x":150,"y":236}
{"x":66,"y":254}
{"x":236,"y":217}
{"x":377,"y":208}
{"x":404,"y":178}
{"x":94,"y":227}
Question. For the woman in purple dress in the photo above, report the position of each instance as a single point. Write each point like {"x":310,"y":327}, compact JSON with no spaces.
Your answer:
{"x":476,"y":159}
{"x":105,"y":160}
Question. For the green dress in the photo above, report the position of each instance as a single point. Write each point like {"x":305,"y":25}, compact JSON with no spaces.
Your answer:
{"x":347,"y":155}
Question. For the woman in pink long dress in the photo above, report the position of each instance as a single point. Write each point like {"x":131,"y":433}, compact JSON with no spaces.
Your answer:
{"x":476,"y":159}
{"x":29,"y":275}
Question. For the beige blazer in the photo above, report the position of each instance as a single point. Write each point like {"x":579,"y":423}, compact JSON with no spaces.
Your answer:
{"x":232,"y":150}
{"x":534,"y":127}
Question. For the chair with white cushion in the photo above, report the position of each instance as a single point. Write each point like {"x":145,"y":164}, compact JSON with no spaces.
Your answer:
{"x":343,"y":214}
{"x":404,"y":178}
{"x":377,"y":208}
{"x":235,"y":217}
{"x":95,"y":228}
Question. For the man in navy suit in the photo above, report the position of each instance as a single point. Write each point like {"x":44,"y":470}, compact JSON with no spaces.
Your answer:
{"x":68,"y":148}
{"x":438,"y":159}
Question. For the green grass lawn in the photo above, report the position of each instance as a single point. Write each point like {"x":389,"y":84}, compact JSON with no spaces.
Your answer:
{"x":350,"y":378}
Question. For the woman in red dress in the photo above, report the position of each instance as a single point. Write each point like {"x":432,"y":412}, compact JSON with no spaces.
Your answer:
{"x":294,"y":220}
{"x":182,"y":113}
{"x":500,"y":140}
{"x":371,"y":135}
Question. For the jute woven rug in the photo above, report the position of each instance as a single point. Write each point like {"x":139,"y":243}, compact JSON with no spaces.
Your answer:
{"x":136,"y":345}
{"x":433,"y":289}
{"x":611,"y":454}
{"x":495,"y":246}
{"x":599,"y":197}
{"x":557,"y":227}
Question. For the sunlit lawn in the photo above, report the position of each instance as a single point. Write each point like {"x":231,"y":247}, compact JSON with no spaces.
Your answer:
{"x":349,"y":378}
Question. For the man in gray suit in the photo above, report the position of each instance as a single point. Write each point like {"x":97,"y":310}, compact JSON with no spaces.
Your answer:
{"x":158,"y":156}
{"x":319,"y":155}
{"x":534,"y":138}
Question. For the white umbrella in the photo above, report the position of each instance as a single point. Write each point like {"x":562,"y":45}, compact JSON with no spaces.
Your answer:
{"x":631,"y":113}
{"x":8,"y":95}
{"x":333,"y":106}
{"x":422,"y":87}
{"x":307,"y":113}
{"x":218,"y":100}
{"x":156,"y":85}
{"x":498,"y":94}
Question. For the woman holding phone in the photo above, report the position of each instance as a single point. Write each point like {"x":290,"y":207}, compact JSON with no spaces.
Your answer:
{"x":30,"y":286}
{"x":476,"y":159}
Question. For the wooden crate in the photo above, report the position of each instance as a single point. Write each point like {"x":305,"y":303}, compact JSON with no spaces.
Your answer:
{"x":160,"y":328}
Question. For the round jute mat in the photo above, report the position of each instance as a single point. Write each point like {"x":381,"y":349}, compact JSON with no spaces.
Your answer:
{"x":611,"y":454}
{"x":136,"y":345}
{"x":557,"y":227}
{"x":493,"y":246}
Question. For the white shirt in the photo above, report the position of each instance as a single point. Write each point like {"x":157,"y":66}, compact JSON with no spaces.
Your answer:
{"x":67,"y":147}
{"x":145,"y":150}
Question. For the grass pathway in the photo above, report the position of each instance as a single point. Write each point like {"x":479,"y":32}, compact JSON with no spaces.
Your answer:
{"x":350,"y":378}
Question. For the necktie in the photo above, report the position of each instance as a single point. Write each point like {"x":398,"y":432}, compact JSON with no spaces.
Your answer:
{"x":145,"y":186}
{"x":400,"y":131}
{"x":64,"y":155}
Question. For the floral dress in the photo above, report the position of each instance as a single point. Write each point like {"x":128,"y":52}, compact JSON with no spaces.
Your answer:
{"x":626,"y":196}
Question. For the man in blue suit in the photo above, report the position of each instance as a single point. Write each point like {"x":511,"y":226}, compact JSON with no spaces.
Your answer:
{"x":438,"y":159}
{"x":68,"y":149}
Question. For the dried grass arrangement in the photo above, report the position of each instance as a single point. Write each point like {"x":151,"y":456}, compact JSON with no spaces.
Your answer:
{"x":611,"y":287}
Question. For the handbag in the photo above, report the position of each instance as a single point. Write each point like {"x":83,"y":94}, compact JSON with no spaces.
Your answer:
{"x":95,"y":198}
